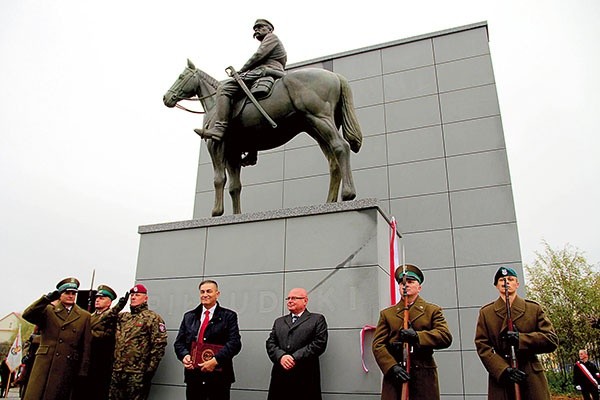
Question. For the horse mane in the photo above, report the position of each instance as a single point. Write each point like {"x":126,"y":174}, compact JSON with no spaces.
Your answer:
{"x":209,"y":79}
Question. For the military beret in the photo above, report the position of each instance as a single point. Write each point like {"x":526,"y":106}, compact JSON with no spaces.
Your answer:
{"x":504,"y":272}
{"x":67,"y":284}
{"x":139,"y":288}
{"x":261,"y":21}
{"x":106,"y":291}
{"x":412,"y":272}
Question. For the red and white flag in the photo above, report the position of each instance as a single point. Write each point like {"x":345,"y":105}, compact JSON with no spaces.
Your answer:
{"x":394,"y":287}
{"x":13,"y":359}
{"x":587,"y":373}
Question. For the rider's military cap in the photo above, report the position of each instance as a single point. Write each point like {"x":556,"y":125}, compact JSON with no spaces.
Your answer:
{"x":67,"y":284}
{"x":106,"y":291}
{"x":412,"y":272}
{"x":261,"y":21}
{"x":504,"y":272}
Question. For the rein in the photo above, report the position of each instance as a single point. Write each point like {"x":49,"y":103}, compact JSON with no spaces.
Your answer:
{"x":194,"y":99}
{"x":177,"y":105}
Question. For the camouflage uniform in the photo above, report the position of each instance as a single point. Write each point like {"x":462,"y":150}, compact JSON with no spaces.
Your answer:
{"x":140,"y":345}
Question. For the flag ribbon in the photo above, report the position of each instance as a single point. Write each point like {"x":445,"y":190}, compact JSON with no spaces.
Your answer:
{"x":587,"y":373}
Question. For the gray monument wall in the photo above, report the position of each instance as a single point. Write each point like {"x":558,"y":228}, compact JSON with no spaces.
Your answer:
{"x":338,"y":252}
{"x":433,"y":155}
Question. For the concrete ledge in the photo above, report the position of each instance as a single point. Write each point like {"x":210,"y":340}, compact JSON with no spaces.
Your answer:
{"x":303,"y":211}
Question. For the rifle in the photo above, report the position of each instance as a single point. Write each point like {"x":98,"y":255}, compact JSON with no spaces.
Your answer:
{"x":405,"y":346}
{"x":513,"y":352}
{"x":90,"y":297}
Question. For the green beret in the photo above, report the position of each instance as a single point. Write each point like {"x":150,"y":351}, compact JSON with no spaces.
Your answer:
{"x":504,"y":272}
{"x":67,"y":284}
{"x":104,"y":290}
{"x":412,"y":272}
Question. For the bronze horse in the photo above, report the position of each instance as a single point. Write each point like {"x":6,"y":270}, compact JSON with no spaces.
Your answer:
{"x":311,"y":100}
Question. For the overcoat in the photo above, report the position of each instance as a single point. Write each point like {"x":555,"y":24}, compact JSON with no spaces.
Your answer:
{"x":223,"y":330}
{"x":64,"y":349}
{"x":536,"y":336}
{"x":305,"y":340}
{"x":431,"y":326}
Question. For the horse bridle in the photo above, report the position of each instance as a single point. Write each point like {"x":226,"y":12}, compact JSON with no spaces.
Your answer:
{"x":183,"y":83}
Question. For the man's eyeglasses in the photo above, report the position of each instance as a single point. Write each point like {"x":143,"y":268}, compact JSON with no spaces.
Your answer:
{"x":294,"y":298}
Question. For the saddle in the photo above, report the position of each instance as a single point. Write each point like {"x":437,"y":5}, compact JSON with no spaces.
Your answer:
{"x":260,"y":89}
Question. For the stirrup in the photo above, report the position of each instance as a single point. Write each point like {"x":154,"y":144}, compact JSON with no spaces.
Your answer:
{"x":207,"y":134}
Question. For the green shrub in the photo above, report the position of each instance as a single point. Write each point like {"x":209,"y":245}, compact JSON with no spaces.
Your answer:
{"x":560,"y":383}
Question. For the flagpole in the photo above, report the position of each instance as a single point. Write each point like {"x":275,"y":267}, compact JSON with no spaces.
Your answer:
{"x":393,"y":265}
{"x":7,"y":383}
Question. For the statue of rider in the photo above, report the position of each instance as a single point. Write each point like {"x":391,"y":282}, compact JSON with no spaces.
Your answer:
{"x":269,"y":60}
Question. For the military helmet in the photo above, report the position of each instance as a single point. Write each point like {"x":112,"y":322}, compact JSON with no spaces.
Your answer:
{"x":262,"y":21}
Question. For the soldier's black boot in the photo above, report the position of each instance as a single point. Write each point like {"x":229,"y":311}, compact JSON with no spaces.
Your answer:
{"x":218,"y":128}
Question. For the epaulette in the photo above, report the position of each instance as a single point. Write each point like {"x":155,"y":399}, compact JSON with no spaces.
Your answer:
{"x":531,"y":301}
{"x":488,"y":304}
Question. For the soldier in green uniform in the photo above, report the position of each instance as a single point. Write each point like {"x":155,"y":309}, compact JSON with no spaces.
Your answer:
{"x":427,"y":331}
{"x":103,"y":325}
{"x":64,"y":350}
{"x":140,"y":345}
{"x":533,"y":334}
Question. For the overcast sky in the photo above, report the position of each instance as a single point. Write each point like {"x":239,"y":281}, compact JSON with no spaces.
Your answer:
{"x":88,"y":152}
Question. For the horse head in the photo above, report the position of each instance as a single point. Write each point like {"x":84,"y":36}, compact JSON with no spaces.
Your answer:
{"x":192,"y":82}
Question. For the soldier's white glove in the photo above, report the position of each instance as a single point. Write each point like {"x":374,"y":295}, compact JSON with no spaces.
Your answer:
{"x":578,"y":387}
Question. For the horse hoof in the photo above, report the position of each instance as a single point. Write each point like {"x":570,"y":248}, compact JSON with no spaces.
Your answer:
{"x":348,"y":196}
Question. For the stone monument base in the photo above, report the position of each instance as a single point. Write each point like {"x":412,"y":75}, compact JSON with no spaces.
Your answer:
{"x":339,"y":252}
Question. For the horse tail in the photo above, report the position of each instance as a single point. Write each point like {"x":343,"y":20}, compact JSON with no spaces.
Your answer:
{"x":350,"y":126}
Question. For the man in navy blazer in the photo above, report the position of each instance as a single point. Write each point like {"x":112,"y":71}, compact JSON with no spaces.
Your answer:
{"x":294,"y":346}
{"x":212,"y":379}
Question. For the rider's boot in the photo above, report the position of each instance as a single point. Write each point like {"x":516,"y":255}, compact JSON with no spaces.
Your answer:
{"x":218,"y":128}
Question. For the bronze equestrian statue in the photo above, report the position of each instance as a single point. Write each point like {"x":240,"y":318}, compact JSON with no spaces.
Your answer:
{"x":311,"y":100}
{"x":268,"y":60}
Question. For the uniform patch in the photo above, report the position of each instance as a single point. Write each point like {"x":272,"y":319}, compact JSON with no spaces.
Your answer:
{"x":162,"y":328}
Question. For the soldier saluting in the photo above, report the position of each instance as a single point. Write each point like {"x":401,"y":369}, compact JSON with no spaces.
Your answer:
{"x":139,"y":346}
{"x":64,"y":350}
{"x":103,"y":325}
{"x":532,"y":334}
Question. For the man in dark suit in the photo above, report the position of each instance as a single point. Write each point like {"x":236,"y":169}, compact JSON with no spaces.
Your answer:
{"x":209,"y":323}
{"x":585,"y":376}
{"x":294,"y":345}
{"x":64,"y":349}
